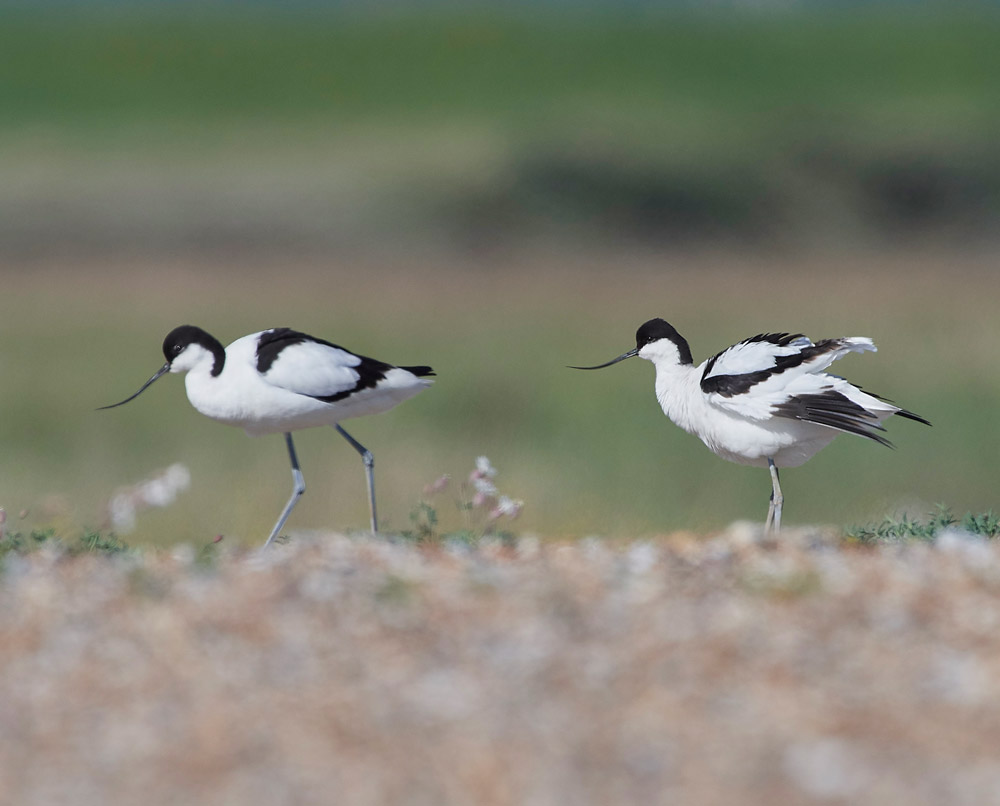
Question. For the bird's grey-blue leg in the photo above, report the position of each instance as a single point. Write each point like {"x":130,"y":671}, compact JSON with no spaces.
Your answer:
{"x":299,"y":487}
{"x":773,"y":522}
{"x":770,"y":512}
{"x":369,"y":460}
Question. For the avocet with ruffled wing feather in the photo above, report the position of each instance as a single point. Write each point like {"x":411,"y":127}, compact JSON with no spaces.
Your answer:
{"x":281,"y":380}
{"x":766,"y":401}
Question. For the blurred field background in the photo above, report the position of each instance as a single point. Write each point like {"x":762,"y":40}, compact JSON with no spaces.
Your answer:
{"x":497,"y":193}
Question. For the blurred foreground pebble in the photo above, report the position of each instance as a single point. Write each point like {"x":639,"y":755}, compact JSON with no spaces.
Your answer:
{"x":679,"y":669}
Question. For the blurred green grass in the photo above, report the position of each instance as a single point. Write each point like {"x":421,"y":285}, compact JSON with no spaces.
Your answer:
{"x":484,"y":128}
{"x":589,"y":453}
{"x":210,"y":66}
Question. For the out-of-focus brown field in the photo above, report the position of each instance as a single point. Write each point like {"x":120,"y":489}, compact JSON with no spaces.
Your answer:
{"x":727,"y":669}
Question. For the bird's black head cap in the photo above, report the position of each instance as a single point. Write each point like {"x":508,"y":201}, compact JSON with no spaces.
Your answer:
{"x":180,"y":338}
{"x":656,"y":329}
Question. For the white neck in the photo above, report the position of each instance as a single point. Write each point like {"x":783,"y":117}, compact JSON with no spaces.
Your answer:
{"x":679,"y":392}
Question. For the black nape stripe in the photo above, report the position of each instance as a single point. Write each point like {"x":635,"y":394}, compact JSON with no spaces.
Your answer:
{"x":836,"y":411}
{"x":731,"y":385}
{"x":181,"y":337}
{"x":656,"y":329}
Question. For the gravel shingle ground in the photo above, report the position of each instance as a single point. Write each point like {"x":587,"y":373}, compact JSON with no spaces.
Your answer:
{"x":354,"y":671}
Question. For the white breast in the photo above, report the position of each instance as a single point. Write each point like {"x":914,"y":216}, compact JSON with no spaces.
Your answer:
{"x":734,"y":436}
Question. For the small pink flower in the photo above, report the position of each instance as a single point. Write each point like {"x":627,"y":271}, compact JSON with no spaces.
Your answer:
{"x":437,"y":485}
{"x":481,"y":499}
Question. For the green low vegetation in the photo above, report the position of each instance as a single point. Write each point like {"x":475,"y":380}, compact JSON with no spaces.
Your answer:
{"x":489,"y":127}
{"x":89,"y":542}
{"x":210,"y":66}
{"x":986,"y":524}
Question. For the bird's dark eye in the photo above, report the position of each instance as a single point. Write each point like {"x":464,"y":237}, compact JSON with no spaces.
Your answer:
{"x":176,"y":349}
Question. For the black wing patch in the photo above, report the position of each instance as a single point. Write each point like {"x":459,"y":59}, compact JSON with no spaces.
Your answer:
{"x":731,"y":385}
{"x":370,"y":370}
{"x":836,"y":411}
{"x":272,"y":342}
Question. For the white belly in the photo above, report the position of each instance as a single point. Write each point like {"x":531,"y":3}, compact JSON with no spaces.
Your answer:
{"x":745,"y":441}
{"x":260,"y":408}
{"x":787,"y":445}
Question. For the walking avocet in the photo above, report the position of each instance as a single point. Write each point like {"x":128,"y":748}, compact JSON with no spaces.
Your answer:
{"x":764,"y":402}
{"x":281,"y":380}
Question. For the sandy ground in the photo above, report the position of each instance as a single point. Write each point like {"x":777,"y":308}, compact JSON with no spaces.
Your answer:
{"x":348,"y":670}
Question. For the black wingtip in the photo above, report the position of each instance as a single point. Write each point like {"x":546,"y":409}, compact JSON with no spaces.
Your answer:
{"x":909,"y":415}
{"x":421,"y":372}
{"x":834,"y":410}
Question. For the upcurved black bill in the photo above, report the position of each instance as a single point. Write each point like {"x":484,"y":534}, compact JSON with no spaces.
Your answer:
{"x":630,"y":354}
{"x":161,"y":371}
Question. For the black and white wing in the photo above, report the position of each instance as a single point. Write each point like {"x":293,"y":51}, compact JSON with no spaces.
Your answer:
{"x":737,"y":369}
{"x":761,"y":373}
{"x":313,"y":367}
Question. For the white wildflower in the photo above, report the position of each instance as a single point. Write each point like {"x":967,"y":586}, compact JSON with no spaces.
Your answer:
{"x":484,"y":470}
{"x":121,"y":512}
{"x":484,"y":487}
{"x":506,"y":506}
{"x":159,"y":491}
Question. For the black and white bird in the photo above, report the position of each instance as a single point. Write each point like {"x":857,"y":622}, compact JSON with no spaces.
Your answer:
{"x":281,"y":380}
{"x":764,"y":402}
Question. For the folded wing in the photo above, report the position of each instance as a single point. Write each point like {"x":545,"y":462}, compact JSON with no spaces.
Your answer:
{"x":309,"y":366}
